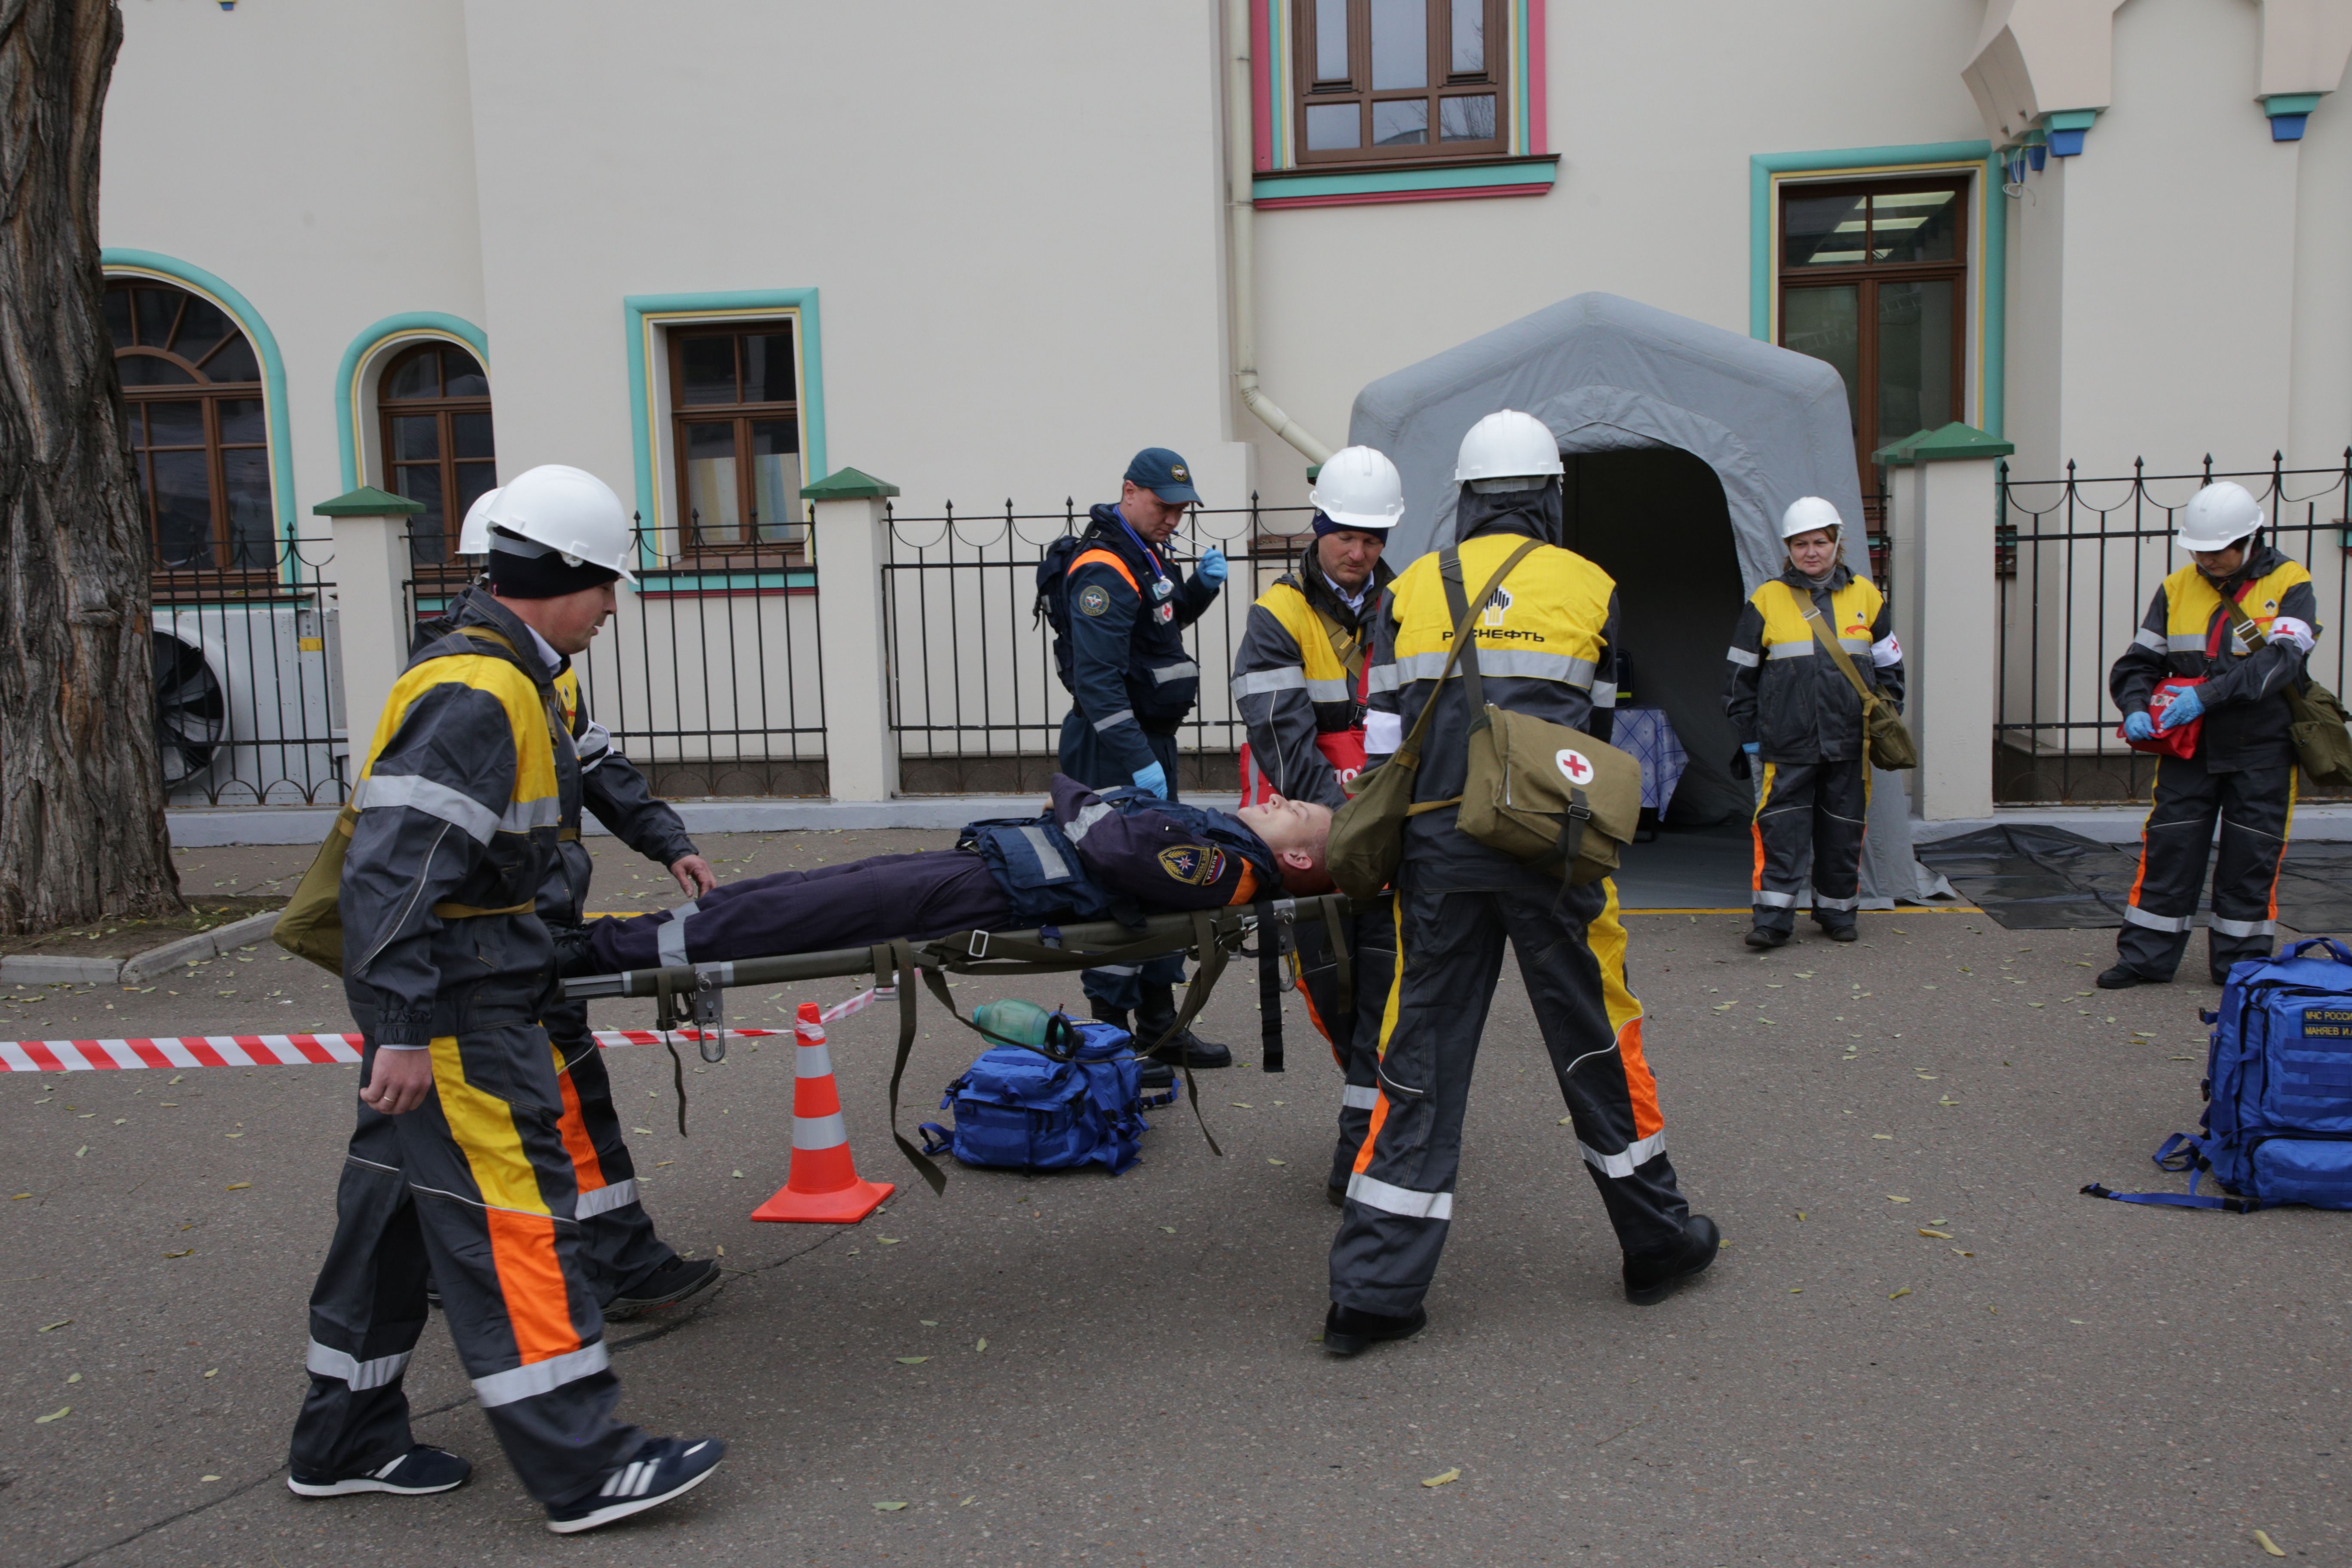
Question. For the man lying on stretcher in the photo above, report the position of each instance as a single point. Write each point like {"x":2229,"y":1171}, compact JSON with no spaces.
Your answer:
{"x":1116,"y":854}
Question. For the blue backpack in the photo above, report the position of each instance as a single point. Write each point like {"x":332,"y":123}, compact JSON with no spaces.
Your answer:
{"x":2278,"y":1091}
{"x":1019,"y":1109}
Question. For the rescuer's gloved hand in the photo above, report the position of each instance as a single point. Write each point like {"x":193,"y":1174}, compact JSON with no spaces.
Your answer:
{"x":1153,"y":777}
{"x":2138,"y":726}
{"x":2186,"y":705}
{"x":1211,"y":567}
{"x":1753,"y":748}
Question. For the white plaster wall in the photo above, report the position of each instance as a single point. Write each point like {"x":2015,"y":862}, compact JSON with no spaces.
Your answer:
{"x":2320,"y":416}
{"x":1020,"y":266}
{"x":1656,"y":111}
{"x":317,"y":156}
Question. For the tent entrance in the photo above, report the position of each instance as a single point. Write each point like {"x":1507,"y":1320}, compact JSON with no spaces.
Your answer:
{"x":1655,"y":519}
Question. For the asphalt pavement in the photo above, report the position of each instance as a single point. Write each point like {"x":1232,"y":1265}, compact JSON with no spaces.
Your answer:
{"x":1077,"y":1369}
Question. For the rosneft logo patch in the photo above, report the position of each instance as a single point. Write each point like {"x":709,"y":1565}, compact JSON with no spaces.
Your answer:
{"x":1194,"y":865}
{"x":1496,"y":609}
{"x":1093,"y":600}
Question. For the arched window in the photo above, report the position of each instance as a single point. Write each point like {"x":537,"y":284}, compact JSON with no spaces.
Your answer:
{"x":433,"y":402}
{"x":199,"y":435}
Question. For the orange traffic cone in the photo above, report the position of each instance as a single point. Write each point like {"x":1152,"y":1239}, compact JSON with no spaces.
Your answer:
{"x":824,"y":1187}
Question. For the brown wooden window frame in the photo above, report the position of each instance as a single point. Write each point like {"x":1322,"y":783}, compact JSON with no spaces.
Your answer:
{"x":1867,"y":276}
{"x":180,"y":582}
{"x":450,"y":570}
{"x":1440,"y":83}
{"x":789,"y":551}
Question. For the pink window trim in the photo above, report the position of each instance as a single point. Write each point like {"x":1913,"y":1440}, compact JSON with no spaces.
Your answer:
{"x":1261,"y":87}
{"x":1535,"y":76}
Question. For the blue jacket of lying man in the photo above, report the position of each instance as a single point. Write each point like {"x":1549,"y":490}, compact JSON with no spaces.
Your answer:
{"x":1117,"y":854}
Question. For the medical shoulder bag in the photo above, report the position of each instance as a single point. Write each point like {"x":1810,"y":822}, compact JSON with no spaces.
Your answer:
{"x":1018,"y":1108}
{"x":2316,"y":718}
{"x":2278,"y":1088}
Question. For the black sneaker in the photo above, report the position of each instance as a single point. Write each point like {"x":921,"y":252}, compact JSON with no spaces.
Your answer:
{"x":664,"y":1468}
{"x":671,"y":1283}
{"x":1345,"y":1331}
{"x":1764,"y":937}
{"x":423,"y":1469}
{"x":1651,"y":1278}
{"x":2123,"y":977}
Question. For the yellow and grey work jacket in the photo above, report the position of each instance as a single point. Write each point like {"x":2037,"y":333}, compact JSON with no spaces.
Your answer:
{"x":1547,"y":644}
{"x":468,"y":780}
{"x":2188,"y":633}
{"x":1297,"y":683}
{"x":1781,"y":691}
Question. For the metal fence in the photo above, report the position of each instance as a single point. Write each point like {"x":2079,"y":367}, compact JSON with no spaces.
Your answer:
{"x":974,"y":702}
{"x":710,"y":674}
{"x":249,"y":680}
{"x":2078,"y":560}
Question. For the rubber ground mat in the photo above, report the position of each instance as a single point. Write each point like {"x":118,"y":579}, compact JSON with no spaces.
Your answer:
{"x":2031,"y":878}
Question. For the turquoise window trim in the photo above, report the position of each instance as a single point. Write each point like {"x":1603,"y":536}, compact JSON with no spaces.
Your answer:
{"x":688,"y":581}
{"x":120,"y":262}
{"x":1276,"y":67}
{"x":1518,"y":174}
{"x":408,"y":325}
{"x":1991,"y":271}
{"x":643,"y":314}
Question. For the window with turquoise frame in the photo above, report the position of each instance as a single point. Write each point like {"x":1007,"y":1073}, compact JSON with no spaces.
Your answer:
{"x":734,"y":398}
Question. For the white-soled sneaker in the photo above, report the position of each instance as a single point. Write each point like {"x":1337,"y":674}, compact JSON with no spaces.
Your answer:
{"x":664,"y":1468}
{"x":423,"y":1469}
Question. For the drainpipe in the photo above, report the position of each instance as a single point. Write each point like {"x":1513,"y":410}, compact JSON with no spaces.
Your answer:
{"x":1240,"y":174}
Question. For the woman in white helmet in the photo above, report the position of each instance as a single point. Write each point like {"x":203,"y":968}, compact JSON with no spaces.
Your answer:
{"x":1799,"y":721}
{"x":2239,"y":621}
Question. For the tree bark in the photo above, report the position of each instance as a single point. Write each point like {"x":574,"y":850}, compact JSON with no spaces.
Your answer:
{"x":81,"y":796}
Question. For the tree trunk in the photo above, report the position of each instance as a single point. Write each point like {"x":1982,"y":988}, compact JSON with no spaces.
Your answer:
{"x":82,"y":793}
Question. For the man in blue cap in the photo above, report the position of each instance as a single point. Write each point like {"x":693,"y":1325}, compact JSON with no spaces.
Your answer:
{"x":1120,"y":651}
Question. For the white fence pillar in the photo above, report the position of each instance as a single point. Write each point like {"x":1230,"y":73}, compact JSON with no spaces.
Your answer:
{"x":371,"y":565}
{"x":1946,"y":611}
{"x":851,"y":543}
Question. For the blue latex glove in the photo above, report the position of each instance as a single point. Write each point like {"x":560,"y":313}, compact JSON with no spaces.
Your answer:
{"x":1753,"y":748}
{"x":2138,"y":726}
{"x":1211,"y":568}
{"x":1153,"y":777}
{"x":2186,"y":705}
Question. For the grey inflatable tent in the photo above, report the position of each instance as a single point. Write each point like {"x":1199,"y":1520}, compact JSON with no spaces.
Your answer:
{"x":1684,"y":443}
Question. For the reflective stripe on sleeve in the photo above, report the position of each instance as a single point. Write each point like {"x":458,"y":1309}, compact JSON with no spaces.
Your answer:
{"x":1400,"y":1201}
{"x":1330,"y":690}
{"x":2151,"y":640}
{"x":1854,"y":644}
{"x":1742,"y":657}
{"x":540,"y":1376}
{"x":1637,"y":1153}
{"x":1076,"y":831}
{"x":1385,"y":678}
{"x":605,"y":1200}
{"x":2140,"y":917}
{"x":380,"y":791}
{"x":1258,"y":682}
{"x":329,"y":1362}
{"x":1186,"y":670}
{"x":669,"y":937}
{"x":1124,"y":716}
{"x":1360,"y":1097}
{"x":2185,"y":642}
{"x":2244,"y":928}
{"x":593,"y":747}
{"x":522,"y":815}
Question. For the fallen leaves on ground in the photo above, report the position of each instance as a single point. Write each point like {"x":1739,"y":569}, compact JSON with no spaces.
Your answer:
{"x":59,"y":1413}
{"x":2262,"y":1539}
{"x":889,"y":1506}
{"x":1443,"y":1477}
{"x":1897,"y":1295}
{"x":912,"y":1360}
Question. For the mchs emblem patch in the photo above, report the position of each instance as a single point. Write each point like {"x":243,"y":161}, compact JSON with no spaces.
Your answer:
{"x":1093,"y":600}
{"x":1195,"y":864}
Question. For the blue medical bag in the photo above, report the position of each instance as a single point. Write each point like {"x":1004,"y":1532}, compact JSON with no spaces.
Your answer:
{"x":2278,"y":1091}
{"x":1018,"y":1108}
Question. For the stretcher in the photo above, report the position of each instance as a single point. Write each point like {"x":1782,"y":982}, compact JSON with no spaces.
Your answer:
{"x":694,"y":994}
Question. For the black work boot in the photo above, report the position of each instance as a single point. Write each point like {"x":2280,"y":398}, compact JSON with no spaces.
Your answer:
{"x":1763,"y":939}
{"x":1651,"y":1277}
{"x":2123,"y":977}
{"x":1157,"y":1016}
{"x":1345,"y":1331}
{"x":1152,"y":1075}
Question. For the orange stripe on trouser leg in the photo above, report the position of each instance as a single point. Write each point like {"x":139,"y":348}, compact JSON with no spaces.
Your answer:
{"x":586,"y":1170}
{"x":2294,"y":779}
{"x":1388,"y":1031}
{"x":1606,"y":935}
{"x":2155,"y":782}
{"x":1756,"y":829}
{"x":531,"y":1282}
{"x":1641,"y":1087}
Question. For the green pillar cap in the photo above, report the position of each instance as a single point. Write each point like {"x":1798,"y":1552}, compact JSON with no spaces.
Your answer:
{"x":849,"y":484}
{"x":369,"y":501}
{"x":1954,"y":440}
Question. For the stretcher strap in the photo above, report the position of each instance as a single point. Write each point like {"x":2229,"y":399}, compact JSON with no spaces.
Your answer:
{"x":1341,"y":959}
{"x":1269,"y":988}
{"x":665,"y":1020}
{"x":892,"y":964}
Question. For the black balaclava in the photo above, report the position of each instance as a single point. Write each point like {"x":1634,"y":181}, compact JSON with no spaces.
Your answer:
{"x":1535,"y":513}
{"x":525,"y":569}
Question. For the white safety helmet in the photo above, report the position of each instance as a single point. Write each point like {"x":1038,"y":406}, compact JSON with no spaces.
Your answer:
{"x":566,"y":509}
{"x":1358,"y":487}
{"x":474,"y":538}
{"x":2217,"y":517}
{"x":1508,"y":445}
{"x":1807,"y":513}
